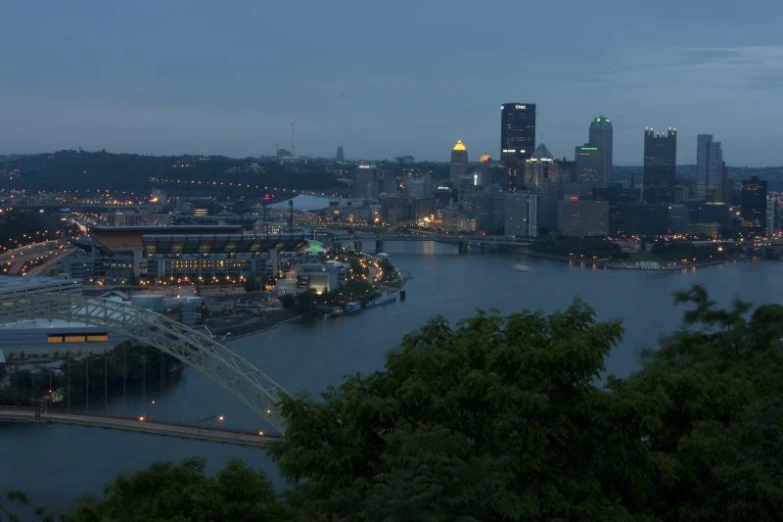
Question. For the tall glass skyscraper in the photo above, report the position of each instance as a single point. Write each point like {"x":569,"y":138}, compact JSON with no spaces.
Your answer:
{"x":602,"y":136}
{"x":660,"y":164}
{"x":517,"y":132}
{"x":709,"y":169}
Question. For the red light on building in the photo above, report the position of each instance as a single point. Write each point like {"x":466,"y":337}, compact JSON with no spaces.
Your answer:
{"x":573,"y":198}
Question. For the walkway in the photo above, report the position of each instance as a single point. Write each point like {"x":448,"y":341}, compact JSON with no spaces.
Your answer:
{"x":139,"y":424}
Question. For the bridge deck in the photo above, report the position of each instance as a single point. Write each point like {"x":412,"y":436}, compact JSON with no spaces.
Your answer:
{"x":153,"y":427}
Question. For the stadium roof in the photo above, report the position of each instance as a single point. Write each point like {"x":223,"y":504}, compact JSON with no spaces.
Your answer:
{"x":303,"y":202}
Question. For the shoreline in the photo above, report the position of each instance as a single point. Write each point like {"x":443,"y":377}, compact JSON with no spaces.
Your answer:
{"x":620,"y":266}
{"x":266,"y":328}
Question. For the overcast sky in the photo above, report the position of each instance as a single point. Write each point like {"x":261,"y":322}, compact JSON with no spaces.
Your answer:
{"x":387,"y":78}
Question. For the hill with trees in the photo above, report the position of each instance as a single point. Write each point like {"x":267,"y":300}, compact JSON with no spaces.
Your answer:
{"x":78,"y":169}
{"x":512,"y":418}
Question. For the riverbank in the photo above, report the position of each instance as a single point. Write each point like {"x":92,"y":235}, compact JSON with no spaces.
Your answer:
{"x":646,"y":266}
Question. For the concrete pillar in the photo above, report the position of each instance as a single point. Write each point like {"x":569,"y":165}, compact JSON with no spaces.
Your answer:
{"x":462,"y":248}
{"x":137,"y":260}
{"x":357,"y":246}
{"x":378,"y":246}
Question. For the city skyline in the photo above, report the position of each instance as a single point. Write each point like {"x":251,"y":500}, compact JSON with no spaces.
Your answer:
{"x":200,"y":78}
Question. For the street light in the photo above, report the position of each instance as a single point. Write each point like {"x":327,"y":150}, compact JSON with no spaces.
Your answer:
{"x":141,"y":418}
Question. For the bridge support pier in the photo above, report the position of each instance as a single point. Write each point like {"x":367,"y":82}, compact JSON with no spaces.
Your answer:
{"x":378,"y":246}
{"x":462,"y":248}
{"x":357,"y":246}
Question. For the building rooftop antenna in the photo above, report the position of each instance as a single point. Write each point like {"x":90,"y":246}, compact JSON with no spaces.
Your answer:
{"x":293,"y":137}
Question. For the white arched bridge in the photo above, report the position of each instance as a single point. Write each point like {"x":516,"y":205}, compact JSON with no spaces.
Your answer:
{"x":193,"y":347}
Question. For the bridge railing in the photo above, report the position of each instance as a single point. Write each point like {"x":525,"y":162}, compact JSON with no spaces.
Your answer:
{"x":127,"y":418}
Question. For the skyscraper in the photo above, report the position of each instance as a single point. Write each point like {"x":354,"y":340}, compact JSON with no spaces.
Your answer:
{"x":709,"y":169}
{"x":754,"y":206}
{"x":537,"y":166}
{"x":459,"y":163}
{"x":517,"y":132}
{"x":660,"y":161}
{"x":340,"y":153}
{"x":589,"y":169}
{"x":602,"y":136}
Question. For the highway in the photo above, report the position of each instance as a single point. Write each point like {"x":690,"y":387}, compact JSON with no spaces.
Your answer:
{"x":140,"y":424}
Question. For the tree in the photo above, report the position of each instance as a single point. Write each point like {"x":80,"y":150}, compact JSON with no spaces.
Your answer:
{"x":503,"y":418}
{"x":182,"y":492}
{"x":506,"y":418}
{"x":498,"y":418}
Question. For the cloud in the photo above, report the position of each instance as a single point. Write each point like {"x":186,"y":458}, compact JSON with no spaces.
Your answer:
{"x":708,"y":73}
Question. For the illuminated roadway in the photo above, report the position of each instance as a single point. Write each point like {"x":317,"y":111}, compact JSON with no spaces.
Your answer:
{"x":139,"y":424}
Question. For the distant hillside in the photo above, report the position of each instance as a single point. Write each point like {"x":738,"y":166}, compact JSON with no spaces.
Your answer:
{"x":774,"y":175}
{"x":69,"y":170}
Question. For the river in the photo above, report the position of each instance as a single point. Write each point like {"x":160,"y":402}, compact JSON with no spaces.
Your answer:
{"x":55,"y":465}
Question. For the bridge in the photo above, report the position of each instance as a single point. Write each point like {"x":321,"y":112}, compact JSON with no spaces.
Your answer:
{"x":139,"y":424}
{"x":463,"y":241}
{"x":193,"y":347}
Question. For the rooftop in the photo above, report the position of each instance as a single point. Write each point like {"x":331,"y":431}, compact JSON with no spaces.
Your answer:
{"x":459,"y":147}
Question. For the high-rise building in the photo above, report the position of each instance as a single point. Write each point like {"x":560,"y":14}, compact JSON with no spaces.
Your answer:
{"x":754,"y":206}
{"x":618,"y":199}
{"x":459,"y":163}
{"x":537,"y":166}
{"x":589,"y":169}
{"x":521,"y":214}
{"x":417,"y":184}
{"x":602,"y":136}
{"x":660,"y":161}
{"x":517,"y":131}
{"x":340,"y":153}
{"x":578,"y":218}
{"x":367,"y":182}
{"x":709,"y":169}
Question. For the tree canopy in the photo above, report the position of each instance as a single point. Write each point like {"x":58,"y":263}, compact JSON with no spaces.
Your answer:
{"x":513,"y":418}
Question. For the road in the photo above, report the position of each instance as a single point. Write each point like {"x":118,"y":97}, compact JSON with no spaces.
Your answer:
{"x":140,"y":424}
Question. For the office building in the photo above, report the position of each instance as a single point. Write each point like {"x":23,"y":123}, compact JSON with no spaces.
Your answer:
{"x":644,"y":219}
{"x":754,"y":206}
{"x":459,"y":163}
{"x":537,"y":167}
{"x":340,"y":153}
{"x":589,"y":169}
{"x":602,"y":136}
{"x":709,"y":169}
{"x":367,"y":182}
{"x":517,"y":132}
{"x":581,"y":218}
{"x":521,"y":214}
{"x":618,"y":199}
{"x":417,"y":184}
{"x":660,"y":160}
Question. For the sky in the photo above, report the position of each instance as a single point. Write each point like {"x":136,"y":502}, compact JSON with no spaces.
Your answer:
{"x":387,"y":79}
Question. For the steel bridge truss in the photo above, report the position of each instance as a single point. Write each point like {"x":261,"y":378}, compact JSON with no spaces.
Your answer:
{"x":192,"y":347}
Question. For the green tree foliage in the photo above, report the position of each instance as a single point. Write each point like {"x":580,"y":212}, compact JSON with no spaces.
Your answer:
{"x":504,"y":418}
{"x":127,"y":363}
{"x":587,"y":247}
{"x":477,"y":421}
{"x":183,"y":493}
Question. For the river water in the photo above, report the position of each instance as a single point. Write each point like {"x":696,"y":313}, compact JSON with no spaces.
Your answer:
{"x":55,"y":465}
